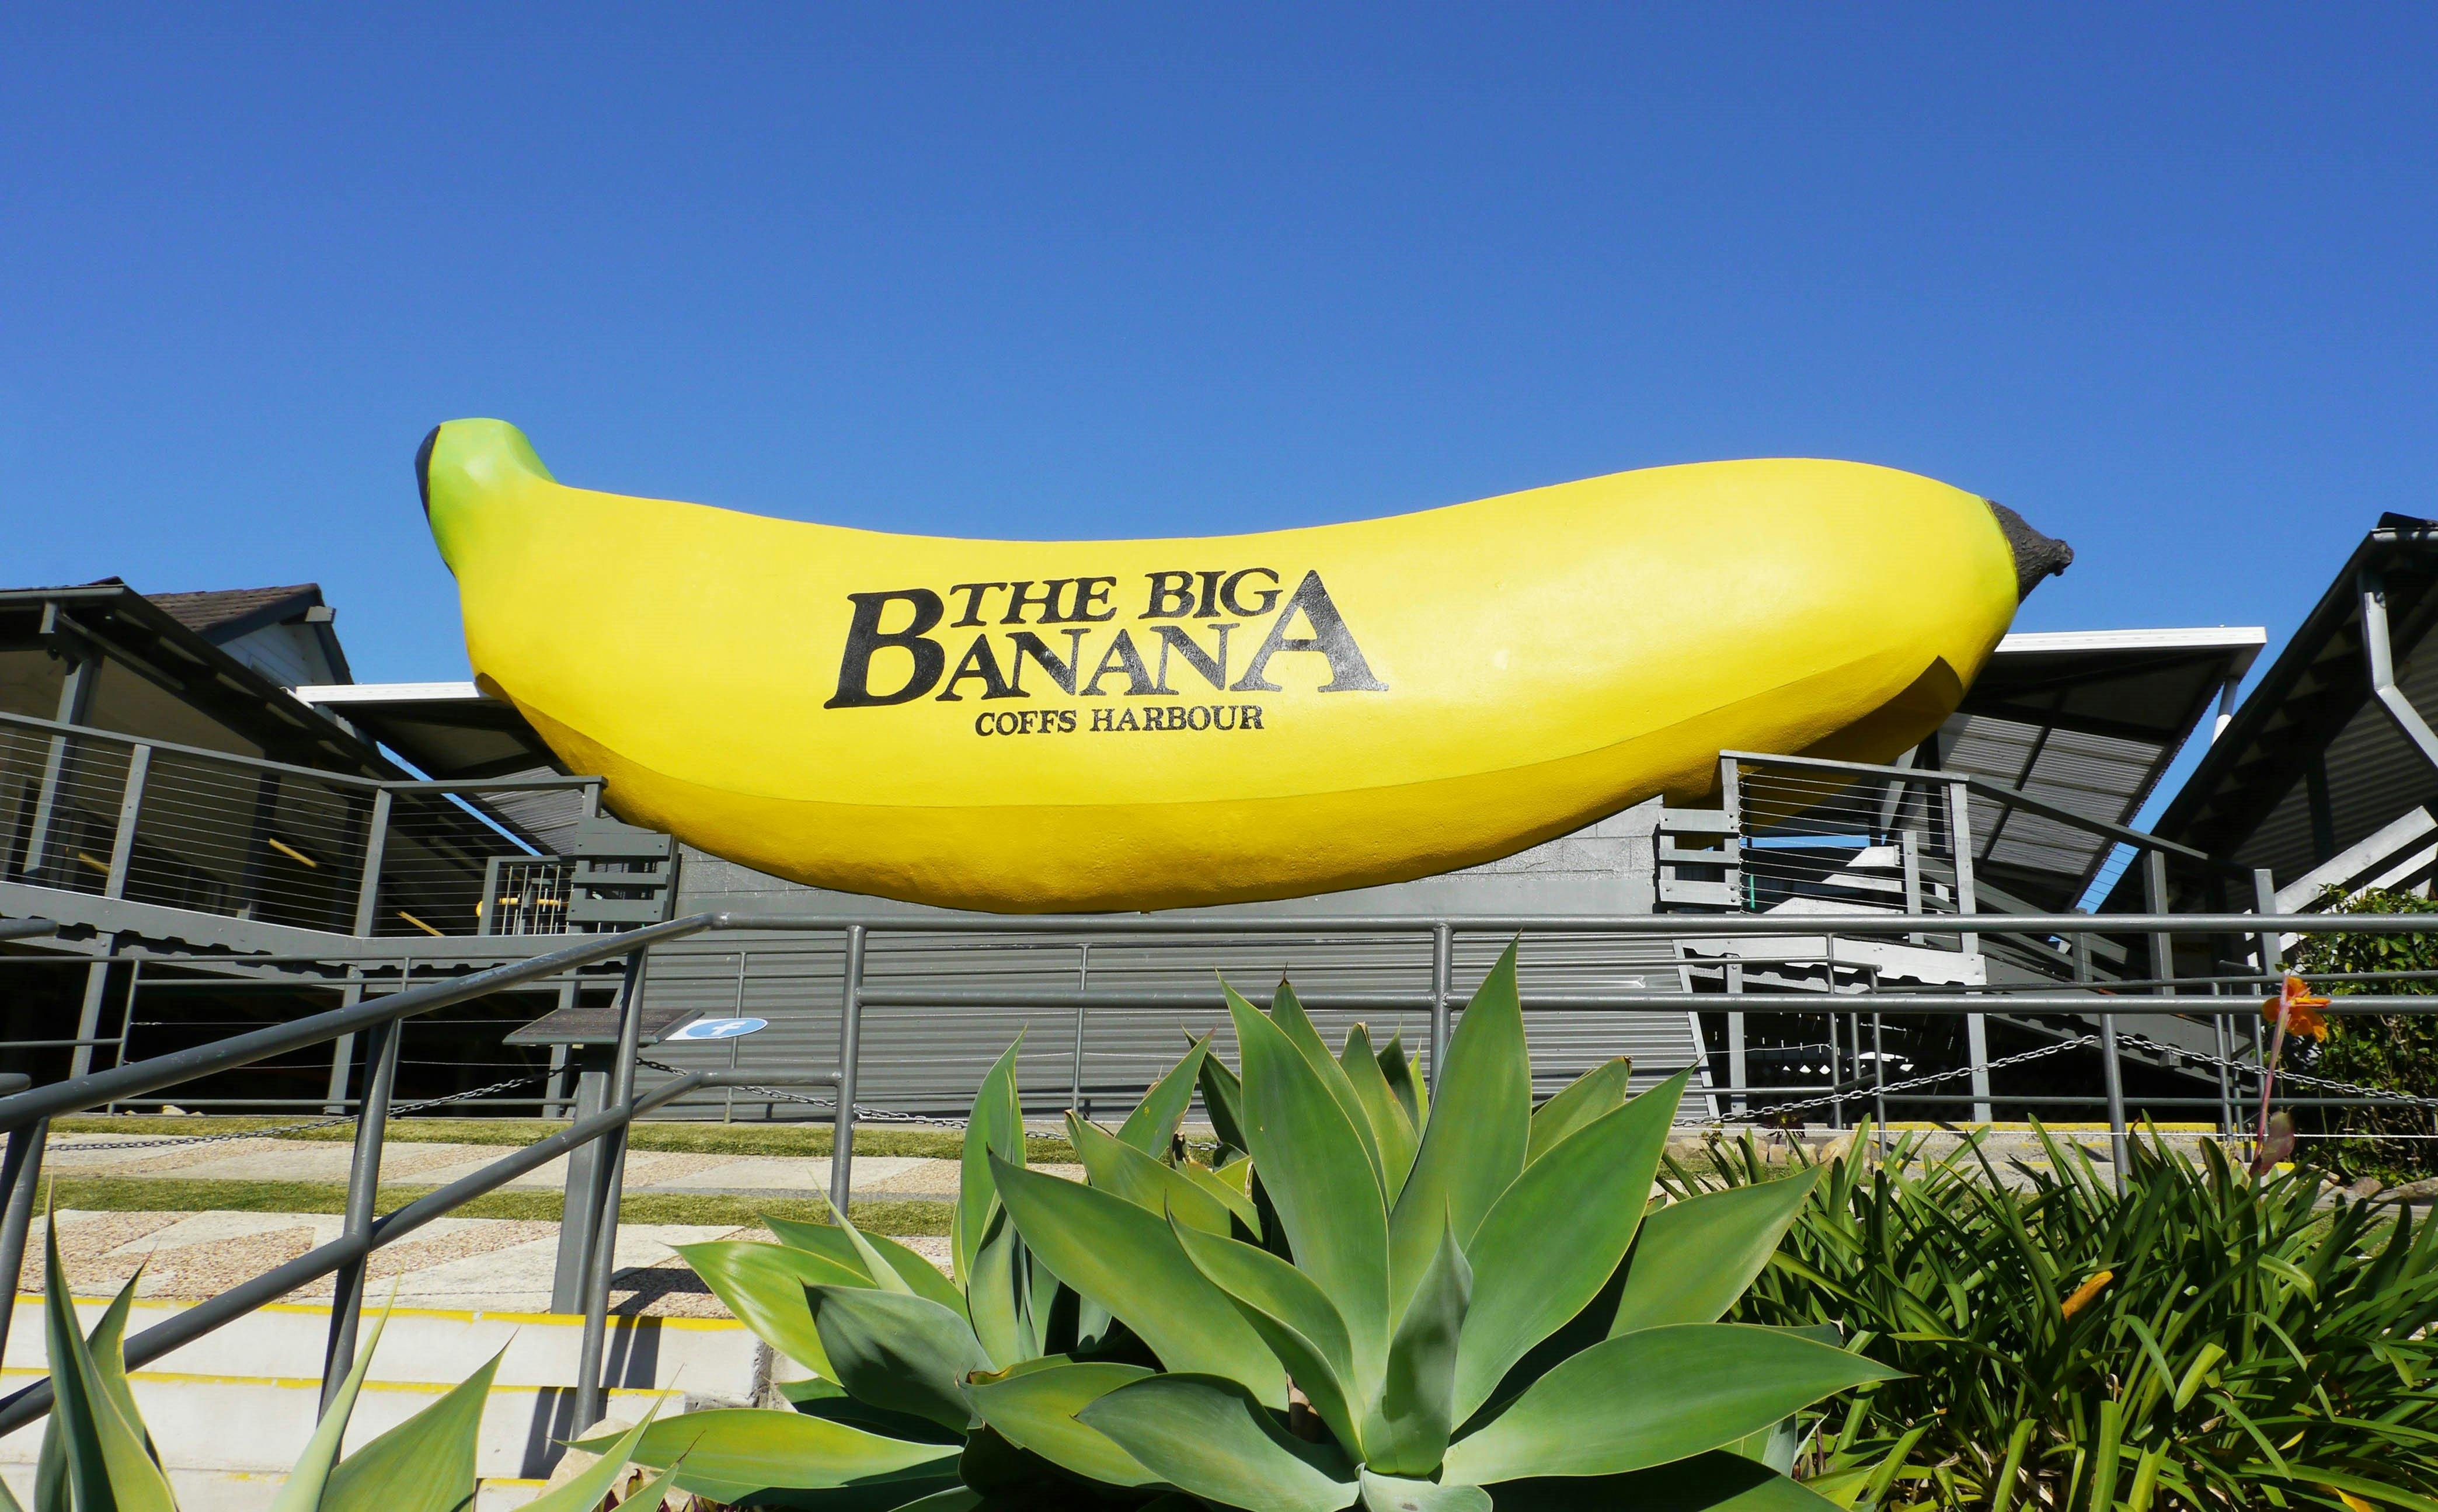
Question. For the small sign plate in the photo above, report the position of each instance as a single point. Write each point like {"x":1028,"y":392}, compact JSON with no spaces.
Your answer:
{"x":718,"y":1028}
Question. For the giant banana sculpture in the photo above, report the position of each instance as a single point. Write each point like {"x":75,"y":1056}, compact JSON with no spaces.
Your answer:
{"x":1036,"y":726}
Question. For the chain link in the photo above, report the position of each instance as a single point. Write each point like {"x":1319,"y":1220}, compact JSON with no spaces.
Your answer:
{"x":395,"y":1109}
{"x":863,"y":1113}
{"x":1930,"y":1079}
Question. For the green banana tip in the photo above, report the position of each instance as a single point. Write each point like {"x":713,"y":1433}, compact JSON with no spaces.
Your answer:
{"x":469,"y":454}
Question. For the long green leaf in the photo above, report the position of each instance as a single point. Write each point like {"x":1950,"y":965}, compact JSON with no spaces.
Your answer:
{"x":107,"y":1466}
{"x":1128,"y":1261}
{"x":763,"y":1286}
{"x":1321,"y":1184}
{"x":1715,"y":1481}
{"x":425,"y":1464}
{"x":1286,"y":1012}
{"x":584,"y":1490}
{"x":997,"y":1128}
{"x":1406,"y":1434}
{"x":1595,"y":1092}
{"x":1295,"y":1318}
{"x":1390,"y":1493}
{"x":107,"y":1344}
{"x":991,"y":1297}
{"x":1223,"y":1099}
{"x":1206,"y":1436}
{"x":1473,"y":1143}
{"x":832,"y":1243}
{"x":1120,"y":1170}
{"x":898,"y":1352}
{"x":302,"y":1490}
{"x":1237,"y":1200}
{"x":1696,"y":1257}
{"x":1392,"y":1128}
{"x":732,"y":1453}
{"x":1398,"y":1072}
{"x":1654,"y":1396}
{"x":1152,"y":1127}
{"x":1555,"y":1237}
{"x":1036,"y":1410}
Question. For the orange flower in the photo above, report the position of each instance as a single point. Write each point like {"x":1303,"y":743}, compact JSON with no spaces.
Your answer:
{"x":2083,"y":1294}
{"x":2298,"y":1009}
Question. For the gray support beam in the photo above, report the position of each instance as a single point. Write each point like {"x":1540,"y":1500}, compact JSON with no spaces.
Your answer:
{"x":19,"y":1173}
{"x":96,"y":986}
{"x":130,"y":808}
{"x":608,"y":1187}
{"x":2380,"y":653}
{"x":76,"y":696}
{"x":850,"y":1059}
{"x":363,"y":1185}
{"x":1442,"y":969}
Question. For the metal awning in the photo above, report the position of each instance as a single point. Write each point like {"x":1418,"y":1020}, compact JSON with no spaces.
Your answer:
{"x":2087,"y":720}
{"x":454,"y":731}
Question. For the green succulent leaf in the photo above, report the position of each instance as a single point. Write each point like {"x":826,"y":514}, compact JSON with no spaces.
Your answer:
{"x":1407,"y":1432}
{"x":1715,"y":1482}
{"x":1152,"y":1127}
{"x":763,"y":1285}
{"x":302,"y":1490}
{"x":1474,"y":1142}
{"x":1034,"y":1409}
{"x":106,"y":1465}
{"x":585,"y":1492}
{"x":1694,"y":1257}
{"x":1399,"y":1073}
{"x":1223,"y":1099}
{"x":1206,"y":1436}
{"x":898,"y":1352}
{"x":833,"y":1243}
{"x":1128,"y":1260}
{"x":1319,"y":1181}
{"x":1118,"y":1168}
{"x":425,"y":1464}
{"x":1596,"y":1091}
{"x":1650,"y":1396}
{"x":1295,"y":1318}
{"x":1555,"y":1237}
{"x":997,"y":1128}
{"x":1392,"y":1127}
{"x":1225,"y":1190}
{"x":991,"y":1293}
{"x":1286,"y":1012}
{"x":1390,"y":1493}
{"x":734,"y":1453}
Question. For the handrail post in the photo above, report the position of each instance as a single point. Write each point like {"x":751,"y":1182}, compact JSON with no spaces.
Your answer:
{"x":608,"y":1187}
{"x":1082,"y":984}
{"x":20,"y":1172}
{"x":1443,"y":971}
{"x":130,"y":805}
{"x":850,"y":1052}
{"x":2112,"y":1072}
{"x":363,"y":1185}
{"x":1976,"y":1025}
{"x":2273,"y":972}
{"x":343,"y":1050}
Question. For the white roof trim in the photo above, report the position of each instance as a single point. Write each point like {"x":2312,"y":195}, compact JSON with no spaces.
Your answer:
{"x":2203,"y":638}
{"x":365,"y":693}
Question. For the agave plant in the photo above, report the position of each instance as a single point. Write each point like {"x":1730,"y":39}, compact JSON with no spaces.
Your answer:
{"x":96,"y":1456}
{"x":1417,"y":1307}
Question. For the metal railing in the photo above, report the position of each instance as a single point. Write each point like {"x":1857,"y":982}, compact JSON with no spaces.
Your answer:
{"x":149,"y":822}
{"x":26,"y":1116}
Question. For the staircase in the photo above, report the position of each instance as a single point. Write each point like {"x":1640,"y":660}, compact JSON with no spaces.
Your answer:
{"x":231,"y":1411}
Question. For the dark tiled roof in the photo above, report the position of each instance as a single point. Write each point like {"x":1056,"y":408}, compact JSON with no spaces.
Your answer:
{"x":205,"y":612}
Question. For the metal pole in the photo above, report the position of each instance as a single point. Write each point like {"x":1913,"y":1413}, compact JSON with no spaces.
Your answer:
{"x":728,"y":1099}
{"x":363,"y":1185}
{"x":1082,"y":984}
{"x":608,"y":1187}
{"x":130,"y":805}
{"x":1442,"y":969}
{"x":1836,"y":1065}
{"x":2110,"y":1070}
{"x":1736,"y":1060}
{"x":20,"y":1169}
{"x":850,"y":1052}
{"x":2272,"y":965}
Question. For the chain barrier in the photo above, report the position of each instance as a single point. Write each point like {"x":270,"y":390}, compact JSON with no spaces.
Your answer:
{"x":863,"y":1113}
{"x":395,"y":1110}
{"x":1930,"y":1079}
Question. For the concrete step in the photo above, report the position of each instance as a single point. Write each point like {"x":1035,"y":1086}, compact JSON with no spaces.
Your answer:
{"x":713,"y":1359}
{"x":262,"y":1374}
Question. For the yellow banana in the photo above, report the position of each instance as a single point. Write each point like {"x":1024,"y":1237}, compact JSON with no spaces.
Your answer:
{"x":1033,"y":726}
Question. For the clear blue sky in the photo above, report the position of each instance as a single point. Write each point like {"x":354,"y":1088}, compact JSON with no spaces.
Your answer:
{"x":2165,"y":280}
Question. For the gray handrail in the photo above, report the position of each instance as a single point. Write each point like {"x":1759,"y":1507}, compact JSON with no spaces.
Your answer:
{"x":1672,"y":924}
{"x":134,"y":1080}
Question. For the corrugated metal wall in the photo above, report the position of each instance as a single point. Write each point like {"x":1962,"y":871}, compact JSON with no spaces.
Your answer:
{"x":928,"y":1060}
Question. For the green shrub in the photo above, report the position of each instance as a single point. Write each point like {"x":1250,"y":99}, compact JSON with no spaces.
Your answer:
{"x":2393,"y":1052}
{"x":1411,"y":1305}
{"x":2205,"y":1340}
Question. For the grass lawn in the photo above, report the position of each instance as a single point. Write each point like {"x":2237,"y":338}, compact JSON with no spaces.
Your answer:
{"x":690,"y":1138}
{"x":114,"y":1194}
